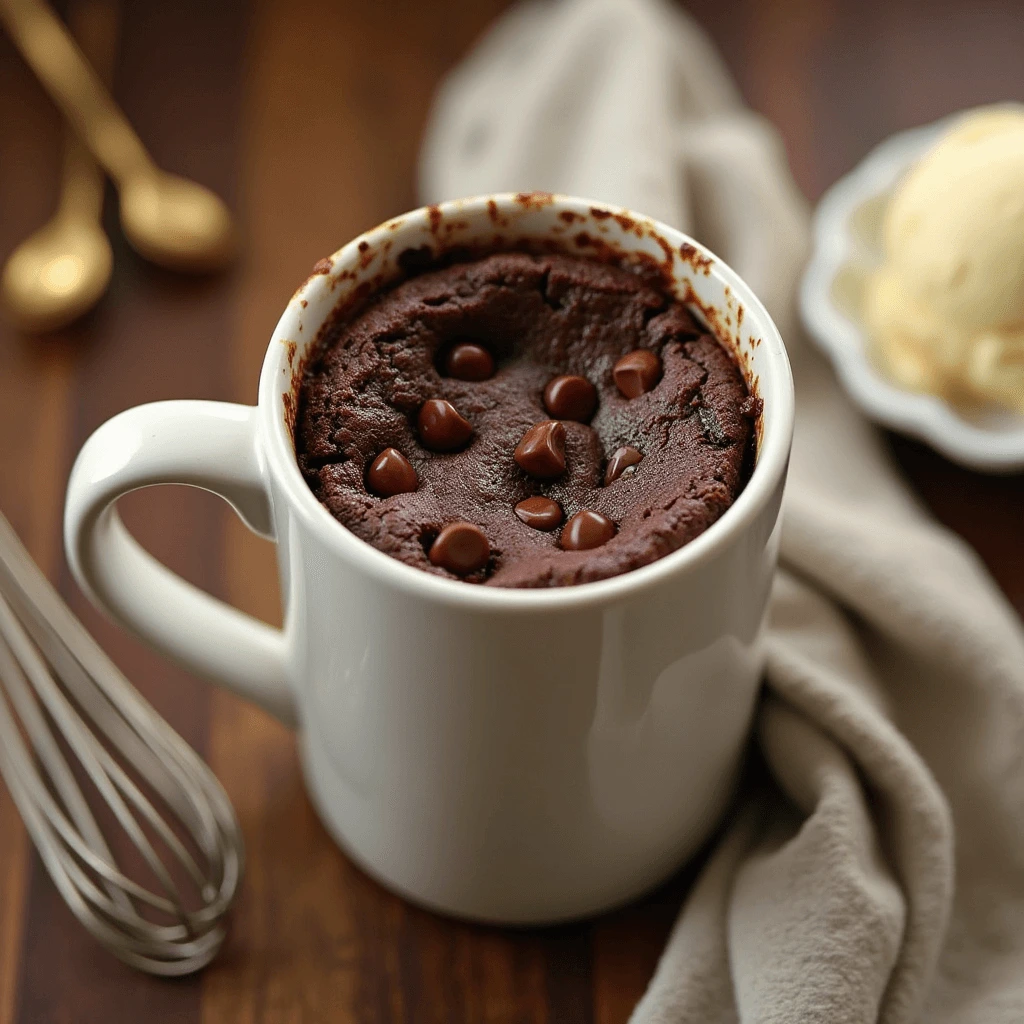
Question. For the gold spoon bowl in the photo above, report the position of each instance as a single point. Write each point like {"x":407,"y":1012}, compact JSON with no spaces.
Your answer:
{"x":176,"y":223}
{"x":60,"y":271}
{"x":56,"y":274}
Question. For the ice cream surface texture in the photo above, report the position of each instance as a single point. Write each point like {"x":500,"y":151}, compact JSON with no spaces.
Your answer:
{"x":945,"y":311}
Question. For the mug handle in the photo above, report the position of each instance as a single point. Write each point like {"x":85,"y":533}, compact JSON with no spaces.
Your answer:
{"x":211,"y":445}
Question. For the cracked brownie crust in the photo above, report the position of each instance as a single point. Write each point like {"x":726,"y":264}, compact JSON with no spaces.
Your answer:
{"x":359,"y":426}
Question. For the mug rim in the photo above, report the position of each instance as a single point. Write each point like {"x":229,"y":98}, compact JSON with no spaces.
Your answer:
{"x":278,"y":449}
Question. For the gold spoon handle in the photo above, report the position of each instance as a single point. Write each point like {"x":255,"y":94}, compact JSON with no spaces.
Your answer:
{"x":94,"y":24}
{"x":54,"y":56}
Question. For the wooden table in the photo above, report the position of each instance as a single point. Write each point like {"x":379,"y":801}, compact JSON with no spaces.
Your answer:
{"x":306,"y":116}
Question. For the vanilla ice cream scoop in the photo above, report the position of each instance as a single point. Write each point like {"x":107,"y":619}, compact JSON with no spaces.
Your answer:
{"x":946,"y":309}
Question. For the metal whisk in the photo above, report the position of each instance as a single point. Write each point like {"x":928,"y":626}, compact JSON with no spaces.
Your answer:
{"x":55,"y":680}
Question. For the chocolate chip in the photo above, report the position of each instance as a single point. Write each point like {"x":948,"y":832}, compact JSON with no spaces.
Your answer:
{"x":540,"y":513}
{"x":570,"y":398}
{"x":636,"y":372}
{"x":469,"y":361}
{"x":441,"y":428}
{"x":587,"y":529}
{"x":460,"y":548}
{"x":622,"y":460}
{"x":542,"y":450}
{"x":391,"y":473}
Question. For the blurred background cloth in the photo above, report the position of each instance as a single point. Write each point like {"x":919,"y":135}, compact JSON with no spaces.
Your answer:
{"x":893,"y":724}
{"x":307,"y":117}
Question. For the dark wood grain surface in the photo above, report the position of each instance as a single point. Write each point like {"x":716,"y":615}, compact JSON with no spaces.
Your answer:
{"x":306,"y":116}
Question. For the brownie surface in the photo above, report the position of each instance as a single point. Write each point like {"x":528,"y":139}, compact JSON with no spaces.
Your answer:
{"x":540,"y":317}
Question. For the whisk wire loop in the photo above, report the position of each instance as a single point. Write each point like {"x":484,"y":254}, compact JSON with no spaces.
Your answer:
{"x":55,"y":680}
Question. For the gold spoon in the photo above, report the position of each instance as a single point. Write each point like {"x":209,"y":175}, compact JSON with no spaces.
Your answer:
{"x":167,"y":219}
{"x":61,"y":271}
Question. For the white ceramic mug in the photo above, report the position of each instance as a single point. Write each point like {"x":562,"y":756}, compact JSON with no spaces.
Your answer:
{"x":516,"y":756}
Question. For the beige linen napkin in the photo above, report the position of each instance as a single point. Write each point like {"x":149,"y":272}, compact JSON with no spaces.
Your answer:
{"x":881,"y":874}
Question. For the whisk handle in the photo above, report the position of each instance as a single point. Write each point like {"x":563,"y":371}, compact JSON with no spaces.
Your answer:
{"x":211,"y":445}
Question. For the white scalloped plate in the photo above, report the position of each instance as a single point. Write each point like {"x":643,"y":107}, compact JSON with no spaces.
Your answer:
{"x":846,"y":246}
